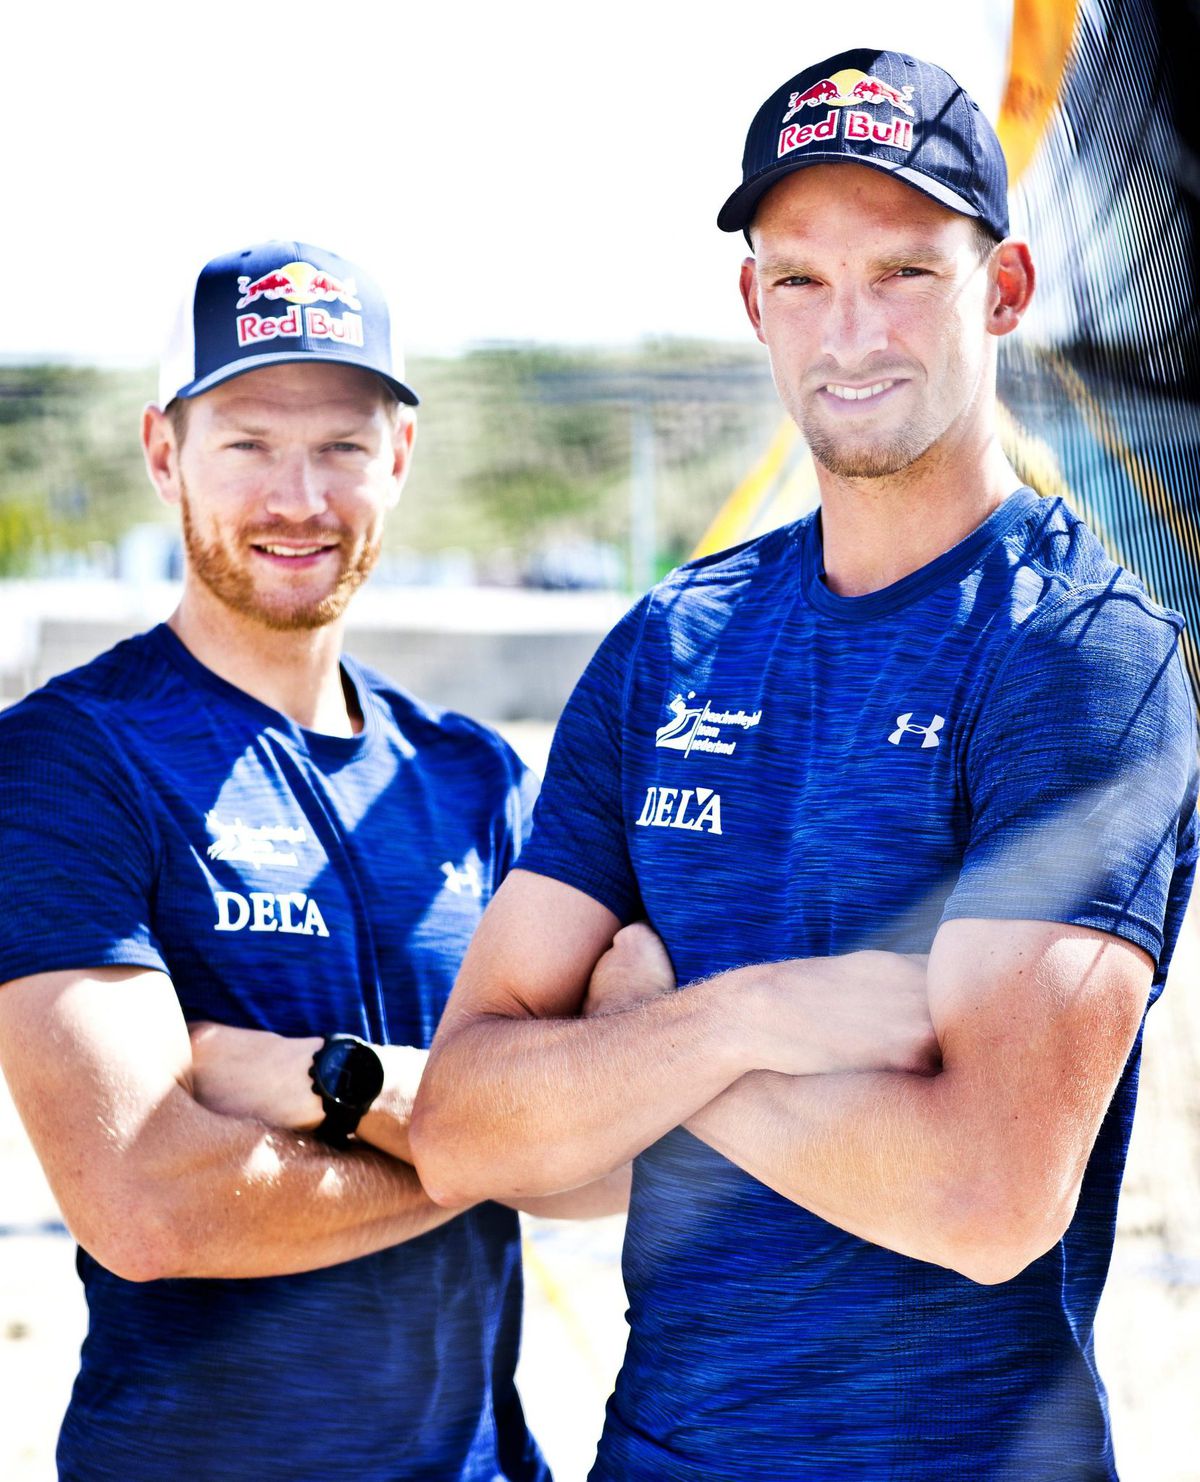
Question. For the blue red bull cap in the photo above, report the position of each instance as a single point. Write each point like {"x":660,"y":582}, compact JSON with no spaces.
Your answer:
{"x":274,"y":303}
{"x":886,"y":110}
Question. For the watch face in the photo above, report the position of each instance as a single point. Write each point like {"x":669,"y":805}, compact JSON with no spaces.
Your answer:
{"x":350,"y":1073}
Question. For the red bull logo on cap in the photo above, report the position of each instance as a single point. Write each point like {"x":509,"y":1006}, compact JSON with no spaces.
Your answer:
{"x":301,"y":285}
{"x":848,"y":90}
{"x":298,"y":283}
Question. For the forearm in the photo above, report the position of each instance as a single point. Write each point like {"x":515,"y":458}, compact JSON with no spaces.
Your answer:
{"x":903,"y":1160}
{"x":978,"y":1166}
{"x":516,"y":1107}
{"x":241,"y":1200}
{"x":513,"y":1107}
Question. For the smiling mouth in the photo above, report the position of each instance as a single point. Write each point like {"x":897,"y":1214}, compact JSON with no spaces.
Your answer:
{"x":858,"y":393}
{"x":294,"y":552}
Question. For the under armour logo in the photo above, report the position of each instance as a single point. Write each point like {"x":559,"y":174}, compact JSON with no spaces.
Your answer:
{"x":463,"y":882}
{"x":905,"y":727}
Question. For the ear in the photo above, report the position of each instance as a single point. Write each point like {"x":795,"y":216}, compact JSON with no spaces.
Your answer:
{"x":404,"y":432}
{"x":749,"y":286}
{"x":1013,"y":279}
{"x":161,"y":454}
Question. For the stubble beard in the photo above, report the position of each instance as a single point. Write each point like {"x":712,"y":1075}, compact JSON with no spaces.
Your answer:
{"x":233,"y":585}
{"x":842,"y":457}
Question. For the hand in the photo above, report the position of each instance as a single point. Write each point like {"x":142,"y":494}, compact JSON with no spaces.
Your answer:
{"x":864,"y":1011}
{"x":254,"y":1073}
{"x":635,"y":969}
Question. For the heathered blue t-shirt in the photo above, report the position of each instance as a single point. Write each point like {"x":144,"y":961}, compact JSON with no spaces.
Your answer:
{"x":286,"y":880}
{"x":767,"y":770}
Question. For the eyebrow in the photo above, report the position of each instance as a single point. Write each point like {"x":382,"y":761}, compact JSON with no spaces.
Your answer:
{"x":916,"y":253}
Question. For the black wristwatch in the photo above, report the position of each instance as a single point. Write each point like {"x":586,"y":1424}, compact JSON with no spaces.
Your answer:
{"x":347,"y":1074}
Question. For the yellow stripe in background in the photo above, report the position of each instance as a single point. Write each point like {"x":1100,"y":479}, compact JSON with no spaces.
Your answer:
{"x":1042,"y":33}
{"x":735,"y":517}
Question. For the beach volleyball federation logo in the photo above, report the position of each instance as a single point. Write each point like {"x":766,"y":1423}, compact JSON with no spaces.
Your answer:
{"x":700,"y":727}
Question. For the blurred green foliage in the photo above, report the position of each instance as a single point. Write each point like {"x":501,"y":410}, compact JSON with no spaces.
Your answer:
{"x":518,"y":448}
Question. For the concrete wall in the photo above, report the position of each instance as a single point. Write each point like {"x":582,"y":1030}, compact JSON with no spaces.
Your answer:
{"x":498,"y":655}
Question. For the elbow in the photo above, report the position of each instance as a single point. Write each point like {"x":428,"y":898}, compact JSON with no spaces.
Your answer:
{"x":144,"y":1246}
{"x":991,"y":1241}
{"x":458,"y":1169}
{"x":431,"y":1144}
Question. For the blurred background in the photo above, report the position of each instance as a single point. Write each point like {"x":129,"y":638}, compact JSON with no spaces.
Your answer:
{"x":538,"y":185}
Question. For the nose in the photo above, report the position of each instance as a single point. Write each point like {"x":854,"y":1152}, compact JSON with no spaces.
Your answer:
{"x":854,"y":328}
{"x":296,"y":491}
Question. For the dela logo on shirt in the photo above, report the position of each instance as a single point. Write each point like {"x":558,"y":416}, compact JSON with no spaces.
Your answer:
{"x":696,"y":809}
{"x":293,"y":913}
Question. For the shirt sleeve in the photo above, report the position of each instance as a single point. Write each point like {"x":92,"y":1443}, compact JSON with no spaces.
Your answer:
{"x":578,"y":825}
{"x":79,"y":849}
{"x":1081,"y":773}
{"x":521,"y":795}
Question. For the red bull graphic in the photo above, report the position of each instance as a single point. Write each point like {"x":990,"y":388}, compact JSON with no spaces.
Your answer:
{"x":825,"y":91}
{"x":298,"y":283}
{"x":872,"y":90}
{"x":303,"y":286}
{"x":847,"y":88}
{"x":842,"y":97}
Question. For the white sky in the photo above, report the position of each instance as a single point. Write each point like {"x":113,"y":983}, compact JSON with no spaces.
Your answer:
{"x":524,"y":171}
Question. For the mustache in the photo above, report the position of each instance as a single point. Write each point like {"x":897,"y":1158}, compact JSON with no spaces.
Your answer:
{"x":286,"y":532}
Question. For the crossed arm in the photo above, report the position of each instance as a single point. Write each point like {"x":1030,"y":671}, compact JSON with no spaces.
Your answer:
{"x":154,"y":1184}
{"x":946,"y":1112}
{"x":168,"y":1167}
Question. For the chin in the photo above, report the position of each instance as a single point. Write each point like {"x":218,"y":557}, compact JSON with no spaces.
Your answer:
{"x":298,"y":616}
{"x":864,"y":460}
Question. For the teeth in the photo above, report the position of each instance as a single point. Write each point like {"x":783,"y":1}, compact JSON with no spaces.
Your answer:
{"x":291,"y":550}
{"x":850,"y":393}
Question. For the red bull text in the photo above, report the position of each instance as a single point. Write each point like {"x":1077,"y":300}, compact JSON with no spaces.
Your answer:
{"x":317,"y":324}
{"x":898,"y":132}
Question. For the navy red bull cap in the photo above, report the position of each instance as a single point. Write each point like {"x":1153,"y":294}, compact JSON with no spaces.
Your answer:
{"x":886,"y":110}
{"x":279,"y":302}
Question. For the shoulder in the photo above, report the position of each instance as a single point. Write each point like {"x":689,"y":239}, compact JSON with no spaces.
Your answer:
{"x":727,"y":573}
{"x":1059,"y":564}
{"x":1094,"y":667}
{"x":432,"y":730}
{"x":82,"y":704}
{"x":695,"y":603}
{"x":1057,"y":604}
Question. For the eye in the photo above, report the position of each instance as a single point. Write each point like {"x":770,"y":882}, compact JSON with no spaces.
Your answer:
{"x":244,"y":445}
{"x":911,"y":272}
{"x":794,"y":280}
{"x":345,"y":448}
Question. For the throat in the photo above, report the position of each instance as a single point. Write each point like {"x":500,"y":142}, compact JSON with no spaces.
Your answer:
{"x":297,"y":673}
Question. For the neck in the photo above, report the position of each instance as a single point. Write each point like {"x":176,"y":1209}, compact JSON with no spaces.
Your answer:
{"x":877,"y":531}
{"x":295,"y":672}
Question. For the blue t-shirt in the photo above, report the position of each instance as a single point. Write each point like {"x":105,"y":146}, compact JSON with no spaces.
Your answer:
{"x":767,"y":770}
{"x":154,"y":815}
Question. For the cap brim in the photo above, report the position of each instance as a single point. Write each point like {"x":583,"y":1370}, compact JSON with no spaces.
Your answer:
{"x":296,"y":357}
{"x":738,"y":211}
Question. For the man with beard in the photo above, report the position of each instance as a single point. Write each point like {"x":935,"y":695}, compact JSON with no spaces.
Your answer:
{"x":224,"y":822}
{"x":930,"y":732}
